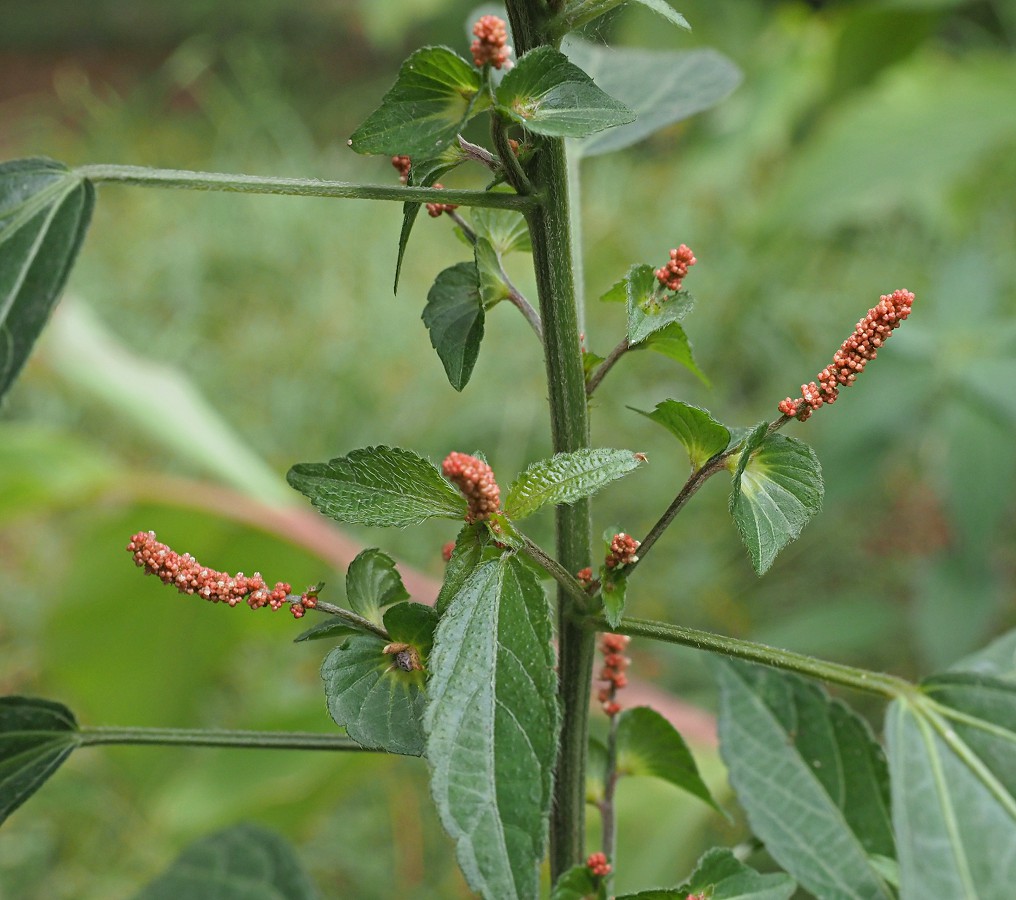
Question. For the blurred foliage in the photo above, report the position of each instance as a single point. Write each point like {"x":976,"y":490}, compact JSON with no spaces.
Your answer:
{"x":870,"y":147}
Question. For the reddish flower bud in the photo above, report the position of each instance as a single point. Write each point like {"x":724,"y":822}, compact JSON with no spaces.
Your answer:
{"x":447,"y":550}
{"x":491,"y":44}
{"x":475,"y":479}
{"x":622,"y":551}
{"x":402,"y":165}
{"x":673,"y":273}
{"x":435,"y":209}
{"x":598,"y":865}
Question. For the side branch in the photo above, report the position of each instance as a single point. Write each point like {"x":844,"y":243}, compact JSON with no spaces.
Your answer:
{"x":196,"y":737}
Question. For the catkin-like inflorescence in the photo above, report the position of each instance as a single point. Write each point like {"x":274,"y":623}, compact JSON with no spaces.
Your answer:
{"x":188,"y":576}
{"x":402,"y":165}
{"x":475,"y":479}
{"x":491,"y":44}
{"x":854,"y":354}
{"x":673,"y":273}
{"x":622,"y":551}
{"x":435,"y":209}
{"x":615,"y":664}
{"x":598,"y":865}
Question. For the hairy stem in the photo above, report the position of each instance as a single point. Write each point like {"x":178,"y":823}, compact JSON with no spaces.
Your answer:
{"x":196,"y":737}
{"x":352,"y":618}
{"x":562,"y":576}
{"x":608,"y":814}
{"x":605,"y":366}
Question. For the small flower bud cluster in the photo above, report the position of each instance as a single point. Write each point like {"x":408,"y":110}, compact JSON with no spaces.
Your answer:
{"x":475,"y":479}
{"x":622,"y":551}
{"x":188,"y":576}
{"x":402,"y":165}
{"x":435,"y":209}
{"x":854,"y":354}
{"x":598,"y":865}
{"x":674,"y":272}
{"x":612,"y":646}
{"x":491,"y":44}
{"x":585,"y":576}
{"x":447,"y":550}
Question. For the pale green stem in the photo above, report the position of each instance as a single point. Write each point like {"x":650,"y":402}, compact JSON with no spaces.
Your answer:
{"x":196,"y":737}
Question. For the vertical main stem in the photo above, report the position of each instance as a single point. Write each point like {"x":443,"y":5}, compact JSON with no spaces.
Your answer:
{"x":551,"y":239}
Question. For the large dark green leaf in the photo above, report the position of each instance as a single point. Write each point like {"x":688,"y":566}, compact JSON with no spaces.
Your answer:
{"x":550,"y":95}
{"x":454,"y":317}
{"x":378,"y":486}
{"x":811,"y":777}
{"x":703,"y":437}
{"x":44,"y":213}
{"x":465,"y":558}
{"x":245,"y":862}
{"x":435,"y":94}
{"x":492,"y":724}
{"x":36,"y":736}
{"x":719,"y":875}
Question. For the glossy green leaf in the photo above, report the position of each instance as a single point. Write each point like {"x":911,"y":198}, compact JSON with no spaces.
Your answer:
{"x":372,"y":583}
{"x":44,"y":213}
{"x":661,"y":86}
{"x":454,"y":317}
{"x":578,"y":883}
{"x":550,"y":95}
{"x":647,"y":744}
{"x":703,"y":437}
{"x":719,"y":875}
{"x":435,"y":94}
{"x":578,"y":12}
{"x":492,"y":725}
{"x":331,"y":629}
{"x":505,"y":230}
{"x":466,"y":555}
{"x":649,"y":309}
{"x":378,"y":703}
{"x":811,"y":778}
{"x":245,"y":862}
{"x":673,"y":343}
{"x":36,"y":736}
{"x":613,"y":592}
{"x":952,"y":755}
{"x":777,"y":489}
{"x":567,"y":477}
{"x":492,"y":285}
{"x":378,"y":486}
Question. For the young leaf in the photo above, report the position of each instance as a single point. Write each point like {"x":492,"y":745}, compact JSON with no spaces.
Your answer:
{"x":44,"y":213}
{"x":647,"y":744}
{"x":493,"y":288}
{"x":596,"y":771}
{"x":618,"y":292}
{"x":811,"y":778}
{"x":673,"y":343}
{"x":719,"y":875}
{"x":372,"y":583}
{"x":465,"y":558}
{"x":378,"y":702}
{"x":577,"y":13}
{"x":331,"y":629}
{"x":649,"y":311}
{"x":777,"y":488}
{"x":36,"y":736}
{"x":454,"y":317}
{"x":378,"y":486}
{"x":506,"y":231}
{"x":551,"y":96}
{"x":435,"y":94}
{"x":613,"y":589}
{"x":703,"y":437}
{"x":492,"y":725}
{"x":952,"y":756}
{"x":245,"y":862}
{"x":578,"y":883}
{"x":661,"y":86}
{"x":567,"y":477}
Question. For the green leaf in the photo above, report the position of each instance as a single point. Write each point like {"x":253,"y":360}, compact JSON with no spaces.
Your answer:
{"x":567,"y":477}
{"x":550,"y":95}
{"x":331,"y":629}
{"x":613,"y":588}
{"x":672,"y":342}
{"x":245,"y":862}
{"x":811,"y":778}
{"x":661,"y":86}
{"x":596,"y":771}
{"x":618,"y":292}
{"x":493,"y":288}
{"x":378,"y":486}
{"x":952,"y":756}
{"x":36,"y":736}
{"x":649,"y":309}
{"x":719,"y":875}
{"x":469,"y":546}
{"x":44,"y":213}
{"x":435,"y":94}
{"x":777,"y":489}
{"x":506,"y":230}
{"x":578,"y":883}
{"x":378,"y":703}
{"x":703,"y":437}
{"x":647,"y":744}
{"x":998,"y":659}
{"x":372,"y":583}
{"x":492,"y":725}
{"x":578,"y":12}
{"x":454,"y":317}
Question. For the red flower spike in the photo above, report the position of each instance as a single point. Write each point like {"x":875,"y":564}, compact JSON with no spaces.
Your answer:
{"x":622,"y":551}
{"x":475,"y":479}
{"x":598,"y":865}
{"x":674,"y":272}
{"x":435,"y":209}
{"x":402,"y":165}
{"x":491,"y":44}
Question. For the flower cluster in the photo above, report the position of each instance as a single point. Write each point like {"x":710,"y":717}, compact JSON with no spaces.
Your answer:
{"x":447,"y":550}
{"x":585,"y":577}
{"x":475,"y":479}
{"x":673,"y":273}
{"x":188,"y":576}
{"x":491,"y":44}
{"x":612,"y":646}
{"x":598,"y":865}
{"x":622,"y":551}
{"x":435,"y":209}
{"x":402,"y":165}
{"x":854,"y":354}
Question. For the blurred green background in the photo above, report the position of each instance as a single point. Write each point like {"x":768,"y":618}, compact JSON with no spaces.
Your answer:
{"x":210,"y":341}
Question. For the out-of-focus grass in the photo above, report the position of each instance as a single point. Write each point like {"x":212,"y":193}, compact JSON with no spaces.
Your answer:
{"x":833,"y":175}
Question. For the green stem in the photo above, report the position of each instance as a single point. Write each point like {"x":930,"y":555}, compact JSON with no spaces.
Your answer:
{"x":835,"y":673}
{"x":604,"y":367}
{"x":196,"y":737}
{"x":298,"y":187}
{"x":353,"y":619}
{"x":560,"y":574}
